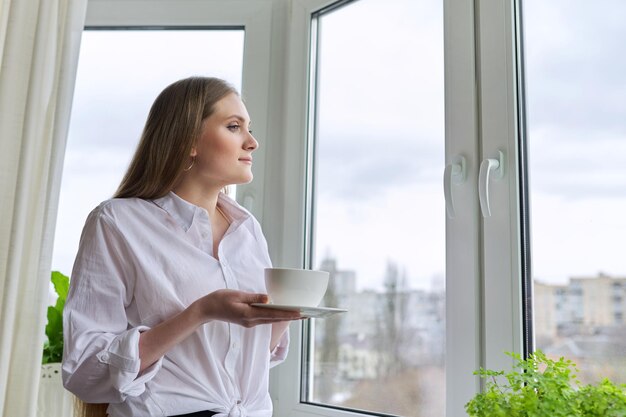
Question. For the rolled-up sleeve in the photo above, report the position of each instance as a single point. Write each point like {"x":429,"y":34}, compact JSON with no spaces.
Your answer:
{"x":101,"y":353}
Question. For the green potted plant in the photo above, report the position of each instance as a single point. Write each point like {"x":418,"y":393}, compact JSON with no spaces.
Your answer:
{"x":541,"y":387}
{"x":53,"y":346}
{"x":53,"y":400}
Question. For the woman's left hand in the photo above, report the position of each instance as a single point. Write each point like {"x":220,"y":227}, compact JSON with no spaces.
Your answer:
{"x":235,"y":307}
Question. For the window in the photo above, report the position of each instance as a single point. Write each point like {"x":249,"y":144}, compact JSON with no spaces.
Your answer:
{"x":120,"y":73}
{"x":577,"y":135}
{"x":378,"y":217}
{"x":301,"y":80}
{"x":380,"y":46}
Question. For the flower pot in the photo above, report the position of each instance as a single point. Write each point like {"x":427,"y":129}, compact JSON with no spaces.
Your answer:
{"x":53,"y":400}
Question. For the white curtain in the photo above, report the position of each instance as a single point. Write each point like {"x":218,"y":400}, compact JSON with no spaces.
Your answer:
{"x":39,"y":44}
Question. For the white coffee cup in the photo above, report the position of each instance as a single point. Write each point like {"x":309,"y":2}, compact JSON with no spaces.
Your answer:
{"x":296,"y":287}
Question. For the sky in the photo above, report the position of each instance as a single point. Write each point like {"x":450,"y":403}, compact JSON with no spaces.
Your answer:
{"x":576,"y":84}
{"x":381,"y":104}
{"x":380,"y":141}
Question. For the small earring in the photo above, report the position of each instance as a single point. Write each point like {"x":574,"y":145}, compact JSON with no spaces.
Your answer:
{"x":193,"y":161}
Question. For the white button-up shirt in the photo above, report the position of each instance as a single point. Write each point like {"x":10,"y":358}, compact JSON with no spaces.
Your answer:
{"x":141,"y":262}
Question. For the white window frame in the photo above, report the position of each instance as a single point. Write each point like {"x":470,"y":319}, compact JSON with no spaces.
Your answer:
{"x":483,"y":291}
{"x":463,"y":291}
{"x":499,"y":130}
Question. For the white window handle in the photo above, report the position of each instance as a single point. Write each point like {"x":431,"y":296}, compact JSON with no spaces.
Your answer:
{"x":455,"y":173}
{"x":487,"y":167}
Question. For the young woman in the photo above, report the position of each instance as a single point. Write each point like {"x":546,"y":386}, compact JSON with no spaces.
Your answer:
{"x":158,"y":320}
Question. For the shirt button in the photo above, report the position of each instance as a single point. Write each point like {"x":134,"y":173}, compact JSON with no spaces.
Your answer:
{"x":234,"y":345}
{"x":105,"y":356}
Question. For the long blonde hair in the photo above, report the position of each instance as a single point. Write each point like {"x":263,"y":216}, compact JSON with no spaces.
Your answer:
{"x":83,"y":409}
{"x":171,"y":131}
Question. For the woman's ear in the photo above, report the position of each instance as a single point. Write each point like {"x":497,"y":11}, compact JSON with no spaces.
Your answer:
{"x":194,"y":152}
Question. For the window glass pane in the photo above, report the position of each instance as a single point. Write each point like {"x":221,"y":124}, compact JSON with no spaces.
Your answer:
{"x":576,"y":84}
{"x":120,"y":73}
{"x":378,"y":208}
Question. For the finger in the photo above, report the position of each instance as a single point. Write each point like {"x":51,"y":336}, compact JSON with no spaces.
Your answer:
{"x":278,"y":316}
{"x":275,"y":314}
{"x":256,"y":298}
{"x":256,"y":322}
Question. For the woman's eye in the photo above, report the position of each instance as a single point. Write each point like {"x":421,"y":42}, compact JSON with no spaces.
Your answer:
{"x":232,"y":128}
{"x":250,"y":131}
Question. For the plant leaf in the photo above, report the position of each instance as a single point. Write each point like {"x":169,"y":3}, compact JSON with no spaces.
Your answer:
{"x":61,"y":284}
{"x":53,"y":347}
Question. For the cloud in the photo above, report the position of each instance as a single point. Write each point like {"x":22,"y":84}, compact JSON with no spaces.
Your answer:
{"x":406,"y":226}
{"x":365,"y":167}
{"x":575,"y":98}
{"x":123,"y":71}
{"x":119,"y":128}
{"x":574,"y":71}
{"x":381,"y":68}
{"x":566,"y":161}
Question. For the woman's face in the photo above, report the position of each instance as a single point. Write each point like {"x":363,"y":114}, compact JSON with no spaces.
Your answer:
{"x":224,"y":150}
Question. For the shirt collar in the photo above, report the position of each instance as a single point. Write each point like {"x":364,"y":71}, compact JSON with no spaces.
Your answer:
{"x":185,"y":212}
{"x":181,"y":210}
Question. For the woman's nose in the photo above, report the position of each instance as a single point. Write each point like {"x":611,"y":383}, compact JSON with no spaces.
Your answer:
{"x":251,"y":143}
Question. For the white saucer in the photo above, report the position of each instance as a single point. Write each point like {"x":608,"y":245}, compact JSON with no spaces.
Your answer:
{"x":309,"y":312}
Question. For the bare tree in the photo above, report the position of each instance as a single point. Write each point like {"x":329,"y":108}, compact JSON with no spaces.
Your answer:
{"x":392,"y":326}
{"x":327,"y":382}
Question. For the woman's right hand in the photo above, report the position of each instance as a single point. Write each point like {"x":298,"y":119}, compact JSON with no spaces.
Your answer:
{"x":235,"y":307}
{"x":226,"y":305}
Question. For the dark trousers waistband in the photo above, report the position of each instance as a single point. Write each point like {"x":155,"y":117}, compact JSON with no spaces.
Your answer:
{"x":197,"y":414}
